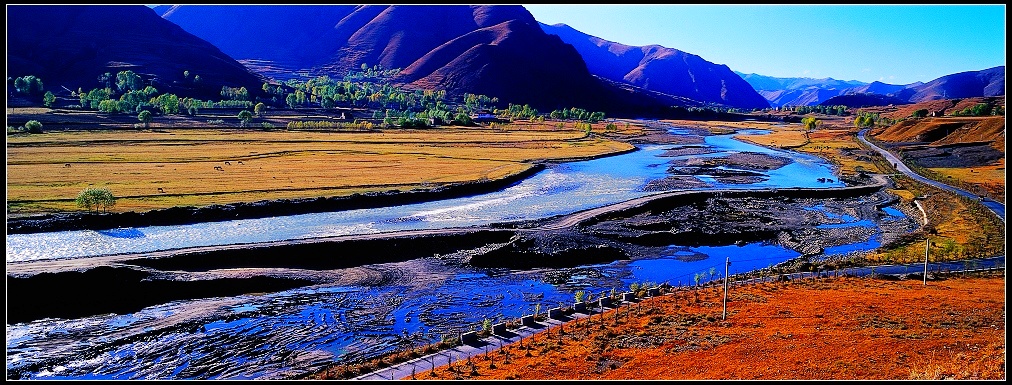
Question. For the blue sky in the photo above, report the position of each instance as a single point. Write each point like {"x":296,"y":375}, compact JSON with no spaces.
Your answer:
{"x":897,"y":44}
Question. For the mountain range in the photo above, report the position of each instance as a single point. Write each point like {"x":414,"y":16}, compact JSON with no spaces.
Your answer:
{"x":499,"y":51}
{"x":661,"y":69}
{"x":808,"y":91}
{"x":496,"y":50}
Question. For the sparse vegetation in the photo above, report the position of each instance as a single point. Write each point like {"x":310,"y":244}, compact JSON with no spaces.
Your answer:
{"x":857,"y":327}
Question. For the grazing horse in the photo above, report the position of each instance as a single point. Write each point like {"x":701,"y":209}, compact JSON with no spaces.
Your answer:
{"x":66,"y":165}
{"x":161,"y":191}
{"x":240,"y":162}
{"x":219,"y":168}
{"x":227,"y":162}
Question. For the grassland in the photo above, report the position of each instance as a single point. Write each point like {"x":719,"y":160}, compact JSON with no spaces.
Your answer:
{"x":160,"y":168}
{"x":833,"y":328}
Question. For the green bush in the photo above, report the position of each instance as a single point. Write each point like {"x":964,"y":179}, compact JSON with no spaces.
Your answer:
{"x":94,"y":198}
{"x":33,"y":126}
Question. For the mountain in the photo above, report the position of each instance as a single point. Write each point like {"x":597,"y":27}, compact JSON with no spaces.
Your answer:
{"x":806,"y":91}
{"x":798,"y":91}
{"x":770,"y":83}
{"x":865,"y":99}
{"x":660,"y":69}
{"x":877,"y":87}
{"x":988,"y":82}
{"x":493,"y":50}
{"x":69,"y":46}
{"x":292,"y":36}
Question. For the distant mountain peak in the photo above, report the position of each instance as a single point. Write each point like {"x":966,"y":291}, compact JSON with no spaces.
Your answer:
{"x":661,"y":69}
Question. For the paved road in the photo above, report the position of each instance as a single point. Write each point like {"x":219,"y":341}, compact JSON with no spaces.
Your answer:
{"x":997,"y":207}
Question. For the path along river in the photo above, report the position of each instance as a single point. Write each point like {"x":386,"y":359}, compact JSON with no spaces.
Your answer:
{"x":295,"y":331}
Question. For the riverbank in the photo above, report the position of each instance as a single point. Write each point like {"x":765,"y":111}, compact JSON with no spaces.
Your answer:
{"x":823,"y":329}
{"x":161,"y":176}
{"x":28,"y":224}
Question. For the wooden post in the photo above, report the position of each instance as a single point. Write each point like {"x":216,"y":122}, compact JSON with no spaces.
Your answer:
{"x":926,"y":244}
{"x":723,"y":315}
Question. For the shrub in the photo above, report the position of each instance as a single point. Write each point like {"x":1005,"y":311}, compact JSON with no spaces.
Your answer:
{"x":33,"y":126}
{"x":93,"y":198}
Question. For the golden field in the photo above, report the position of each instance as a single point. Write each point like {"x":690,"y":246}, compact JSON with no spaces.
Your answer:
{"x":45,"y":172}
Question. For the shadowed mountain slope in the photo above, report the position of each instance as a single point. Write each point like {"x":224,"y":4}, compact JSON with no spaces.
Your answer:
{"x":70,"y":46}
{"x":661,"y":69}
{"x":988,"y":82}
{"x":493,"y":50}
{"x":290,"y":35}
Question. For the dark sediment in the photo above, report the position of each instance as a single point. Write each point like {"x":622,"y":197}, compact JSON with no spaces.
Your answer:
{"x":326,"y":255}
{"x":121,"y":290}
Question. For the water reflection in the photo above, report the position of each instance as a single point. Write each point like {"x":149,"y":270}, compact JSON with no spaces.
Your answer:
{"x":300,"y":330}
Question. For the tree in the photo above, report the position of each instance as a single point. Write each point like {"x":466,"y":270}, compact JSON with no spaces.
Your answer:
{"x":245,"y":117}
{"x":810,"y":122}
{"x":462,"y":119}
{"x":128,"y":81}
{"x":94,"y":198}
{"x":34,"y":127}
{"x":48,"y":99}
{"x":145,"y":117}
{"x":920,"y":113}
{"x":259,"y":109}
{"x":29,"y":85}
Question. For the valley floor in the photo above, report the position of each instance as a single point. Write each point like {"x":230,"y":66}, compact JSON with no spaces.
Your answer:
{"x":830,"y":328}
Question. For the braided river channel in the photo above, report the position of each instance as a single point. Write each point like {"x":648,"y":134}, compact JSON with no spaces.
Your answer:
{"x":391,"y":305}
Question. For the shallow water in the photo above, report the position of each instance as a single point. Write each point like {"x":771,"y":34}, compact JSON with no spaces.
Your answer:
{"x":300,"y":330}
{"x":560,"y":189}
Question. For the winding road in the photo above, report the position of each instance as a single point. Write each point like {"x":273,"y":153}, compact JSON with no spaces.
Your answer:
{"x":997,"y":207}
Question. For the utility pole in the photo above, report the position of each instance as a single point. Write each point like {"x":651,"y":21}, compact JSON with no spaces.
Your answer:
{"x":723,"y":315}
{"x":926,"y":245}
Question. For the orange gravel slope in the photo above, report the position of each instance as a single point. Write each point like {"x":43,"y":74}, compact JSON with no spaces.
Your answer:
{"x":834,"y":328}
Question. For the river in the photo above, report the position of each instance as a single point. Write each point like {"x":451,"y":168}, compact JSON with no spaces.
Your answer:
{"x":279,"y":334}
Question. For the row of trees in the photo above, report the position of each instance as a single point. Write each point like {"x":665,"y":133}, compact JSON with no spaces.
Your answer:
{"x":31,"y":127}
{"x":371,"y":87}
{"x":28,"y":85}
{"x":577,"y":114}
{"x":32,"y":86}
{"x":838,"y":110}
{"x":981,"y":109}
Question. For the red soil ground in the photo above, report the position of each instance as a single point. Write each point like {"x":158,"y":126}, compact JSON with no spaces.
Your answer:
{"x":834,"y":328}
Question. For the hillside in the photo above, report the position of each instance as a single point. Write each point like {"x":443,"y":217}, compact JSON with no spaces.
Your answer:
{"x":938,"y":107}
{"x":857,"y":100}
{"x":492,"y":50}
{"x":661,"y":69}
{"x":988,"y":82}
{"x":84,"y":42}
{"x":300,"y":47}
{"x":947,"y":131}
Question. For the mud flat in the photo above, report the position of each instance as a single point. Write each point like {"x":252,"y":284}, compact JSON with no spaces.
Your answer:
{"x":628,"y":230}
